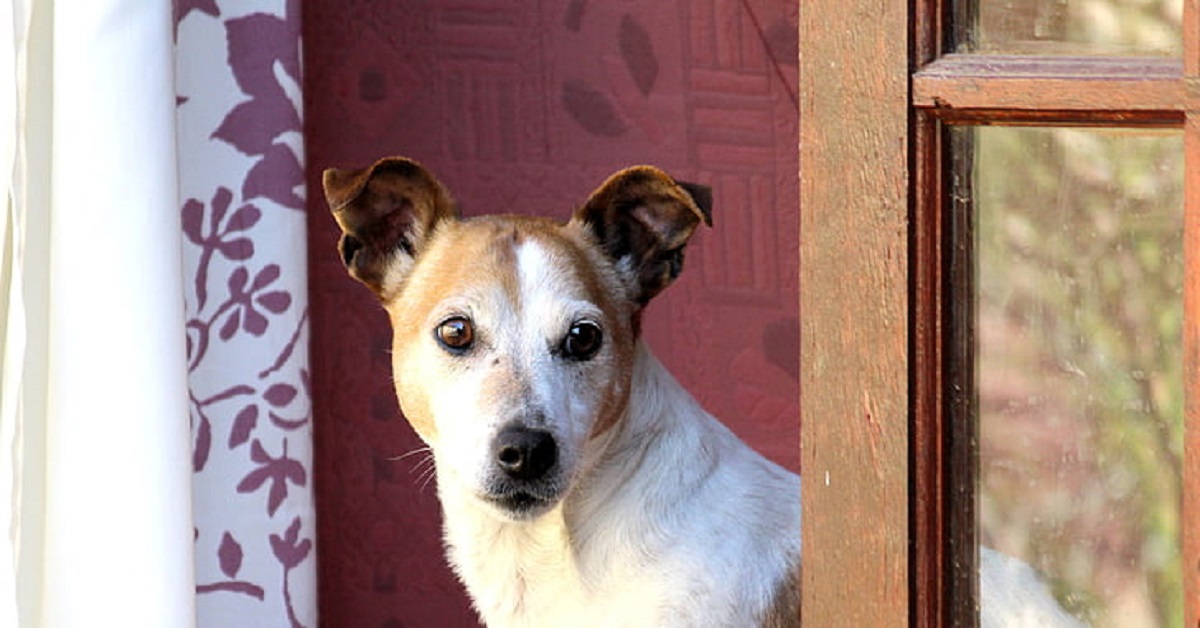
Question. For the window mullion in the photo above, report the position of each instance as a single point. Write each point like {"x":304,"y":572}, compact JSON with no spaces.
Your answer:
{"x":1022,"y":89}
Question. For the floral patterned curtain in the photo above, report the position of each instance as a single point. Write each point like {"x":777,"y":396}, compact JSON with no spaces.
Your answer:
{"x":242,"y":202}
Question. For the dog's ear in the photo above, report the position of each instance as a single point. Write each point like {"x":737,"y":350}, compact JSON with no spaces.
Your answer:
{"x":387,"y":213}
{"x":643,"y":219}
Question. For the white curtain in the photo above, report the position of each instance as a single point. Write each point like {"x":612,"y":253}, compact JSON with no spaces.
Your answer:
{"x":98,"y":489}
{"x":106,"y":518}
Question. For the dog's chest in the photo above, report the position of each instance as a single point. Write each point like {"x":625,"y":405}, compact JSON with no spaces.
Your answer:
{"x":524,"y":577}
{"x":539,"y":601}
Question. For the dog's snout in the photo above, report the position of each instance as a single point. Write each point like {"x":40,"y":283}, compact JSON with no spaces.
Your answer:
{"x":524,"y":453}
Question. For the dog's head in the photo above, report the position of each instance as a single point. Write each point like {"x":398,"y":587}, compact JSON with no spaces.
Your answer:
{"x":513,"y":337}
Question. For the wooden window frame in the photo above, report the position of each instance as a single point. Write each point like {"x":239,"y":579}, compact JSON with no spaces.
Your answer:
{"x":877,"y":235}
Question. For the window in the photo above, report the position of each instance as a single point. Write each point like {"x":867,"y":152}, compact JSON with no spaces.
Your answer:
{"x":999,"y":289}
{"x":1076,"y":241}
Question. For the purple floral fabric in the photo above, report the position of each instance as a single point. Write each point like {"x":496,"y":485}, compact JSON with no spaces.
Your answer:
{"x":242,"y":200}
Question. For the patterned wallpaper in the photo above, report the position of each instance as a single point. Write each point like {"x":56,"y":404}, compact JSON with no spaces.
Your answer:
{"x":526,"y":107}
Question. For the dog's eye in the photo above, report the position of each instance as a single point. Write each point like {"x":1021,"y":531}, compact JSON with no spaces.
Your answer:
{"x":456,"y":335}
{"x":583,"y":341}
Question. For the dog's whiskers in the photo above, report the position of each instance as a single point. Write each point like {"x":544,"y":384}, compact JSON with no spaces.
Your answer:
{"x":424,"y":468}
{"x":426,"y":477}
{"x":418,"y":450}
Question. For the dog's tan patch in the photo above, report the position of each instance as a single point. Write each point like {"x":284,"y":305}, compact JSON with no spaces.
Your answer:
{"x":785,"y":609}
{"x":460,"y":257}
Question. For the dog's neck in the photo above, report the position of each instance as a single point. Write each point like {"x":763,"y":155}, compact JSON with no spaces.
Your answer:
{"x":555,"y":555}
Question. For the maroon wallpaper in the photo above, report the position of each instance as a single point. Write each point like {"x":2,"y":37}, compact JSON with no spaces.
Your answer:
{"x":526,"y":107}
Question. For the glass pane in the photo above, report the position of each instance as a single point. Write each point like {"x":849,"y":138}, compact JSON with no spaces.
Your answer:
{"x":1078,"y":365}
{"x":1081,"y":27}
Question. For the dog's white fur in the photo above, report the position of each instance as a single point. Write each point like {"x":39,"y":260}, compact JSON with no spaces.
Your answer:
{"x":654,"y":513}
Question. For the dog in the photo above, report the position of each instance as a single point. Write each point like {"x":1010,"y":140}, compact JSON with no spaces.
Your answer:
{"x":581,"y":485}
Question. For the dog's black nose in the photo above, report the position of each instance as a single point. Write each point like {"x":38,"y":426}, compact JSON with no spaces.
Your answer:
{"x":524,"y":453}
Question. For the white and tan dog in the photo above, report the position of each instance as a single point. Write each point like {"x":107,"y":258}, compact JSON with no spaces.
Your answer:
{"x":581,"y":484}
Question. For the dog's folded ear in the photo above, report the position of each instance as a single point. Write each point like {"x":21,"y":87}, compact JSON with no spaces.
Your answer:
{"x":387,"y":213}
{"x":643,"y":219}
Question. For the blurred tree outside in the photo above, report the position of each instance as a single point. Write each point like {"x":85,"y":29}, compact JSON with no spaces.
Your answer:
{"x":1110,"y":27}
{"x":1079,"y":275}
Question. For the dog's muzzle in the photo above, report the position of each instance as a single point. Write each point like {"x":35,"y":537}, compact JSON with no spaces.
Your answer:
{"x":524,"y":453}
{"x":525,"y":461}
